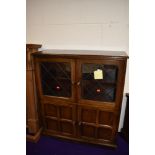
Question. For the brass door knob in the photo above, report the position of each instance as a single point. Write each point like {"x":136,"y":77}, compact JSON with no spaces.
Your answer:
{"x":78,"y":83}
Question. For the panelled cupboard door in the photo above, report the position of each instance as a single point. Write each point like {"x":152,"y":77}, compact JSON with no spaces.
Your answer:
{"x":59,"y":119}
{"x":95,"y":123}
{"x":98,"y":81}
{"x":56,"y":79}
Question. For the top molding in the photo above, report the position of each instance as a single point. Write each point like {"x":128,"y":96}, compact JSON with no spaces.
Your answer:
{"x":34,"y":46}
{"x":88,"y":54}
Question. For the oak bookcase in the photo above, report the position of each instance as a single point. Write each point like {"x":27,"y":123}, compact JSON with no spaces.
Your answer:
{"x":80,"y":95}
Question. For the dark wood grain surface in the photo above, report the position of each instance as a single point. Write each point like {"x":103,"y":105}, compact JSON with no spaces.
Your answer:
{"x":32,"y":120}
{"x":76,"y":118}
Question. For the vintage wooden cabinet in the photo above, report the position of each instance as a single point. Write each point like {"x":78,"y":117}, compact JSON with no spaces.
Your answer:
{"x":81,"y":94}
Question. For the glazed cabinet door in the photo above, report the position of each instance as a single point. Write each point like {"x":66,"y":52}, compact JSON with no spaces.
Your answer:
{"x":56,"y":78}
{"x":98,"y":81}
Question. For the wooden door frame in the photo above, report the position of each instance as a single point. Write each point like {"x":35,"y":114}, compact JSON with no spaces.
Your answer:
{"x":107,"y":105}
{"x":38,"y":79}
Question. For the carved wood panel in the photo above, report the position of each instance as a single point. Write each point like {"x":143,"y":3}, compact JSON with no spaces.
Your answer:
{"x":96,"y":123}
{"x":60,"y":118}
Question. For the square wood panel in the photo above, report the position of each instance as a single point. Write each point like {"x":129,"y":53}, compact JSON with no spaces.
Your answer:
{"x":66,"y":112}
{"x":104,"y":133}
{"x":87,"y":131}
{"x":67,"y":127}
{"x":52,"y":124}
{"x":88,"y":115}
{"x":105,"y":118}
{"x":50,"y":110}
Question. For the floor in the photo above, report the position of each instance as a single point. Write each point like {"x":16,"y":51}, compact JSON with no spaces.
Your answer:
{"x":52,"y":146}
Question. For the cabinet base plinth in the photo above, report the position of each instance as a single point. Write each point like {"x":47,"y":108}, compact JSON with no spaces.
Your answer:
{"x":79,"y":140}
{"x":34,"y":138}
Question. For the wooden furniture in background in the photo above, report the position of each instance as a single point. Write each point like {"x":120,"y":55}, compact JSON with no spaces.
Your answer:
{"x":32,"y":121}
{"x":77,"y":103}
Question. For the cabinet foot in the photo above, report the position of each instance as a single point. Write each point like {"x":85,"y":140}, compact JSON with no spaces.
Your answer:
{"x":34,"y":138}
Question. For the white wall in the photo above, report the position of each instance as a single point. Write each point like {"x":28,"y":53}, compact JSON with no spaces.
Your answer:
{"x":79,"y":24}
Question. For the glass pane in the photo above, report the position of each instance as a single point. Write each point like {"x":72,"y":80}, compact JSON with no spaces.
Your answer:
{"x":99,"y":82}
{"x":56,"y":78}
